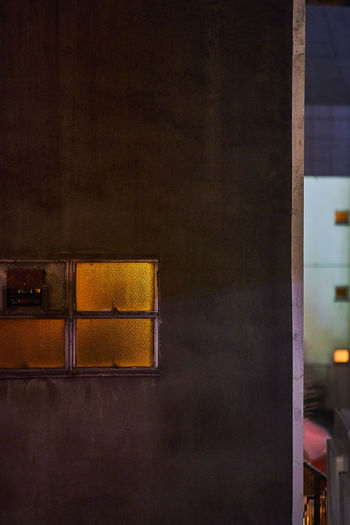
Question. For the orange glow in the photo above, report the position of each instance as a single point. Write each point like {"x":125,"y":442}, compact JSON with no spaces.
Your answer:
{"x":115,"y":286}
{"x":341,"y":356}
{"x":114,"y":342}
{"x":342,"y":217}
{"x":31,"y":343}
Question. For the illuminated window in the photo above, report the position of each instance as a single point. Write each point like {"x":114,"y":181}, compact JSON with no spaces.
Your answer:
{"x":341,"y":293}
{"x":78,"y":318}
{"x":341,"y":355}
{"x":342,"y":217}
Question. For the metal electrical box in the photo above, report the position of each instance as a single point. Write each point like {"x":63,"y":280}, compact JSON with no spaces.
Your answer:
{"x":25,"y":288}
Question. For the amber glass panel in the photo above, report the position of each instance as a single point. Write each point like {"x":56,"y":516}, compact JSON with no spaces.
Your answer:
{"x":121,"y":286}
{"x":31,"y":343}
{"x":114,"y":342}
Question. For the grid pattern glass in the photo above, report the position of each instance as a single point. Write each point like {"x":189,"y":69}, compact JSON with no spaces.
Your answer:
{"x":101,"y":315}
{"x":116,"y":286}
{"x":32,"y":343}
{"x":115,"y":342}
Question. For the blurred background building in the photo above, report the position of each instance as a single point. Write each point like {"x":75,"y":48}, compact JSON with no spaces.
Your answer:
{"x":327,"y":205}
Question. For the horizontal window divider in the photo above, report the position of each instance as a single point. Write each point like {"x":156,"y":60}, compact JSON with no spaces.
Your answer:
{"x":88,"y":258}
{"x":35,"y":261}
{"x":6,"y":373}
{"x":115,"y":371}
{"x":61,"y":315}
{"x":115,"y":315}
{"x":85,"y":258}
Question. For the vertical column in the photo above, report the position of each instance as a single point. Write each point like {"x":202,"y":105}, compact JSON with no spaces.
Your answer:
{"x":297,"y":251}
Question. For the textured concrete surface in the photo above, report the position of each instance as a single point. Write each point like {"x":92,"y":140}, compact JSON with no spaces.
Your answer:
{"x":155,"y":128}
{"x":298,"y":91}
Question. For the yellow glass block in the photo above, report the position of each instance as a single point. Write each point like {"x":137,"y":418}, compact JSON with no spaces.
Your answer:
{"x":31,"y":343}
{"x":119,"y":286}
{"x":114,"y":342}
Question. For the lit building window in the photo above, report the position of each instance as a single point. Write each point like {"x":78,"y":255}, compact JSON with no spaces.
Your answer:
{"x":342,"y":217}
{"x":341,"y":293}
{"x":78,"y":317}
{"x":341,"y":355}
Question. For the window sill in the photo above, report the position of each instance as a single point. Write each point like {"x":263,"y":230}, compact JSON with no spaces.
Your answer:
{"x":81,"y":372}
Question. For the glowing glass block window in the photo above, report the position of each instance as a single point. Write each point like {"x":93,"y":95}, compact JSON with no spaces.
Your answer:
{"x":116,"y":314}
{"x":120,"y":286}
{"x":32,"y":343}
{"x":115,"y":342}
{"x":69,"y":317}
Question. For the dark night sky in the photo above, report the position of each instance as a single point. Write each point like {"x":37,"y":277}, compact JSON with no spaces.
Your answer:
{"x":327,"y":55}
{"x":327,"y":111}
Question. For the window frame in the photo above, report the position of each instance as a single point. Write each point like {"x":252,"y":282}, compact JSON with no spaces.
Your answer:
{"x":70,"y":315}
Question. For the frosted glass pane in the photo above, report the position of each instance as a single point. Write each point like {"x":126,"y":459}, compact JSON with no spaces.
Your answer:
{"x":31,"y":343}
{"x":55,"y":280}
{"x":121,"y":286}
{"x":114,"y":342}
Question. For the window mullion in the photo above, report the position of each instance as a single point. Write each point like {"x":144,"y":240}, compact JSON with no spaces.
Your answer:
{"x":71,"y":326}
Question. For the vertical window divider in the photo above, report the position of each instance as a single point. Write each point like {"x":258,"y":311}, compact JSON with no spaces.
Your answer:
{"x":156,"y":350}
{"x":71,"y":299}
{"x":66,"y":320}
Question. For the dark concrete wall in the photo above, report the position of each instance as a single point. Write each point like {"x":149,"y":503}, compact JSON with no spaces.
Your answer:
{"x":155,"y":128}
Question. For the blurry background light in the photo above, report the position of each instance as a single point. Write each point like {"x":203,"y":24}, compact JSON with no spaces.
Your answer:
{"x":341,"y":356}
